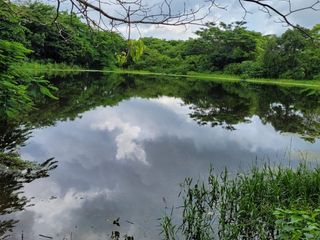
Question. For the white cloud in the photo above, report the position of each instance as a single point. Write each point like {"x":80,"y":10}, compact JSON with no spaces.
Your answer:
{"x":257,"y":20}
{"x":127,"y":147}
{"x":51,"y":215}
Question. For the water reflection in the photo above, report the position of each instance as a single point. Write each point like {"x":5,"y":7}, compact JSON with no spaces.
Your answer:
{"x":292,"y":110}
{"x":12,"y":134}
{"x":124,"y":143}
{"x":14,"y":173}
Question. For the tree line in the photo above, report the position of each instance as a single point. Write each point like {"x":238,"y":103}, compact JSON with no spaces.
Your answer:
{"x":228,"y":48}
{"x":233,"y":49}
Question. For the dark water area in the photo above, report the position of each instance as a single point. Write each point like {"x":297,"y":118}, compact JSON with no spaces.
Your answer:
{"x":124,"y":143}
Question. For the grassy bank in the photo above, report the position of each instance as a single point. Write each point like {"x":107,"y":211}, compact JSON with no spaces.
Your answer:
{"x":315,"y":84}
{"x":217,"y":77}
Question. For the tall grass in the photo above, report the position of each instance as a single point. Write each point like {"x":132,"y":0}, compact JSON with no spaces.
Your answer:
{"x":242,"y":207}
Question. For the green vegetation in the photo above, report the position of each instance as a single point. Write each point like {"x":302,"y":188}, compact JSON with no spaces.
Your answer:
{"x":29,"y":36}
{"x":37,"y":67}
{"x":232,"y":49}
{"x":17,"y":88}
{"x":64,"y":40}
{"x":298,"y":224}
{"x":267,"y":203}
{"x":225,"y":48}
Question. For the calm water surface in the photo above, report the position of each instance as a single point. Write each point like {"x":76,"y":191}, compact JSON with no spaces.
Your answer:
{"x":124,"y":144}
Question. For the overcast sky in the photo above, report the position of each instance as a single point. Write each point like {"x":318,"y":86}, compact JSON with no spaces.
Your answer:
{"x":257,"y":20}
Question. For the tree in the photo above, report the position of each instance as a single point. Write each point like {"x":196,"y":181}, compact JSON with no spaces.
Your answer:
{"x":292,"y":55}
{"x":223,"y":44}
{"x":10,"y":27}
{"x":272,"y":58}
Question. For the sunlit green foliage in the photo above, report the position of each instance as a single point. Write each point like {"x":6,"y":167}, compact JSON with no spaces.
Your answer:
{"x":17,"y":88}
{"x":65,"y":39}
{"x":233,"y":49}
{"x":121,"y":58}
{"x":136,"y":48}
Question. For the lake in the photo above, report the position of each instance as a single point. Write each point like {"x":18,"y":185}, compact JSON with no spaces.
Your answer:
{"x":124,"y":143}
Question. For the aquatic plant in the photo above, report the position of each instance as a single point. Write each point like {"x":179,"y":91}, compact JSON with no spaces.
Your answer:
{"x":246,"y":206}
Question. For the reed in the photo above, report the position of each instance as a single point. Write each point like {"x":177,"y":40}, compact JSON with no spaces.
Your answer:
{"x":245,"y":206}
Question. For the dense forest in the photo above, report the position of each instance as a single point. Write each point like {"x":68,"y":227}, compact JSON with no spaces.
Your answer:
{"x":228,"y":48}
{"x":233,"y":49}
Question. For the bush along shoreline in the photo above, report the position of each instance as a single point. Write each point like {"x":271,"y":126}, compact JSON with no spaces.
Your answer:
{"x":267,"y":203}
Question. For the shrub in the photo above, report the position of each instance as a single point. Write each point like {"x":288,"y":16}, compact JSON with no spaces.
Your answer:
{"x":246,"y":68}
{"x":297,"y":224}
{"x":297,"y":73}
{"x":251,"y":68}
{"x":233,"y":68}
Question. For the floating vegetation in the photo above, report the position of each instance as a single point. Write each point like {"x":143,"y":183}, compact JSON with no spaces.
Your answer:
{"x":267,"y":203}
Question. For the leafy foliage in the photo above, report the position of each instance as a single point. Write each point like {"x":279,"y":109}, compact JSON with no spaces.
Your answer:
{"x":67,"y":40}
{"x":136,"y":48}
{"x":16,"y":87}
{"x":235,"y":50}
{"x":231,"y":48}
{"x":298,"y":224}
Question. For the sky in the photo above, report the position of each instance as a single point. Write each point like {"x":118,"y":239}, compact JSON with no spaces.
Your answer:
{"x":256,"y":19}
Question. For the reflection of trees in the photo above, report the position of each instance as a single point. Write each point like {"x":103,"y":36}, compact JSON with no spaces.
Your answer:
{"x":9,"y":200}
{"x":14,"y":173}
{"x":12,"y":134}
{"x":216,"y":104}
{"x":287,"y":109}
{"x":291,"y":111}
{"x":76,"y":94}
{"x":5,"y":227}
